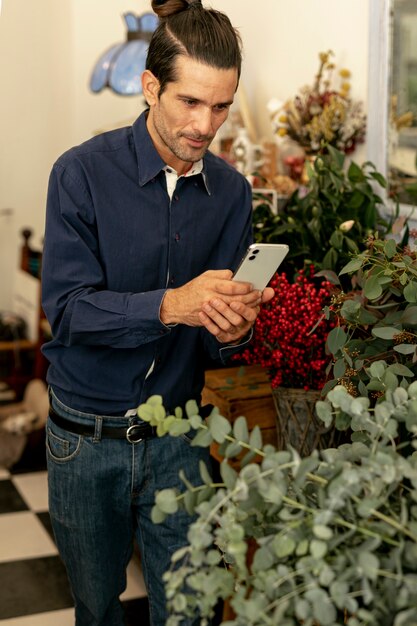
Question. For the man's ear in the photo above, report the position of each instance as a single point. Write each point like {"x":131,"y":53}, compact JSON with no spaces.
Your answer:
{"x":150,"y":87}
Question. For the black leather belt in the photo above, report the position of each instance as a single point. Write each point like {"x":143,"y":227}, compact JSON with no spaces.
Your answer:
{"x":133,"y":433}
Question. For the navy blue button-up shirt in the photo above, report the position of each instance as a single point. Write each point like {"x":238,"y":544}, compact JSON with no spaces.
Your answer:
{"x":113,"y":237}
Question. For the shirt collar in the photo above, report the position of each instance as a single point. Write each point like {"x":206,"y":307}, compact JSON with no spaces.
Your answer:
{"x":149,"y":161}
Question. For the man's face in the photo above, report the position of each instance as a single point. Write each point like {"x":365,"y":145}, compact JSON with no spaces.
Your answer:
{"x":185,"y":118}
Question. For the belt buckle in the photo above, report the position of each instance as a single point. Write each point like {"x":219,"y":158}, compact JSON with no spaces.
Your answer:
{"x":130,"y":433}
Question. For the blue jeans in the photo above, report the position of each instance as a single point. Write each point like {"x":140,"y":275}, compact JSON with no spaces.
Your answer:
{"x":101,"y":492}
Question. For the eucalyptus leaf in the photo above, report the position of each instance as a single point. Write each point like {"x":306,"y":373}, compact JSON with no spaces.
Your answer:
{"x":255,"y":439}
{"x":228,"y":474}
{"x":240,"y":429}
{"x":219,"y":427}
{"x":336,"y":339}
{"x":404,"y":348}
{"x":410,"y":291}
{"x":372,"y":288}
{"x":390,"y":248}
{"x":386,"y":332}
{"x":353,"y":266}
{"x":157,"y":516}
{"x":204,"y":473}
{"x":203,"y":439}
{"x":166,"y":500}
{"x":409,"y":317}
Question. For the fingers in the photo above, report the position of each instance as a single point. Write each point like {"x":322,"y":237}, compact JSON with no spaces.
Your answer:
{"x":267,"y":294}
{"x":228,"y":322}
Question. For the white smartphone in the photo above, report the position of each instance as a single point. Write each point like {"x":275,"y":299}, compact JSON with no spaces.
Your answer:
{"x":260,"y":263}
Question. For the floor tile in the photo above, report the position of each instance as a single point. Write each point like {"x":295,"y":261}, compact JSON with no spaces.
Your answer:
{"x":34,"y":489}
{"x":52,"y":618}
{"x":10,"y":498}
{"x":45,"y":520}
{"x":22,"y":536}
{"x":33,"y":586}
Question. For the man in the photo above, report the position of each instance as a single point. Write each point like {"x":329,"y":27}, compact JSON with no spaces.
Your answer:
{"x":143,"y":229}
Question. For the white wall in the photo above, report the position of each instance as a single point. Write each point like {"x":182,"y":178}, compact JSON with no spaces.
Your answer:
{"x":49,"y":47}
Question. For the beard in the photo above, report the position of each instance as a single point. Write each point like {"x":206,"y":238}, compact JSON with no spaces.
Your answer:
{"x":177,"y":143}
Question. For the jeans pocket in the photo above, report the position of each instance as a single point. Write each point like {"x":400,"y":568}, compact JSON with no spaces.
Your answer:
{"x":61,"y":445}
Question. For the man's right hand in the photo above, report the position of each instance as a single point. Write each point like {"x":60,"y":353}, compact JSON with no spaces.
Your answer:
{"x":183,"y":305}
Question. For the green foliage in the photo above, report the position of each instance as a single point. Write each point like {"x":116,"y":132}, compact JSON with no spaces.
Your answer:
{"x":324,"y":540}
{"x":376,"y":321}
{"x":328,"y":220}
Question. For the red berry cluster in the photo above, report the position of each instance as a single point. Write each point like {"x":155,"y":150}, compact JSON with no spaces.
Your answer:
{"x":283,"y":342}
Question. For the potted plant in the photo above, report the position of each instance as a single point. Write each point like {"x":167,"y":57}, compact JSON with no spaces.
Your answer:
{"x":289,"y":342}
{"x":377,"y":319}
{"x":325,"y":540}
{"x":329,"y":218}
{"x":322,"y":114}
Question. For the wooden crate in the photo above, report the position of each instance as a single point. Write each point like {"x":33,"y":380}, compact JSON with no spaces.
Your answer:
{"x":243,"y":391}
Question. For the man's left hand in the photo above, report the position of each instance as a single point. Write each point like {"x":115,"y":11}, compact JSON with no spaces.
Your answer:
{"x":229,"y":323}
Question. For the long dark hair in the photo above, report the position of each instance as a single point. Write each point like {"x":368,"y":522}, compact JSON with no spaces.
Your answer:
{"x":188,"y":28}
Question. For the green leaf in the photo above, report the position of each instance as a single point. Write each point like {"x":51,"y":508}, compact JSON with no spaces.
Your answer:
{"x":322,"y":532}
{"x":369,"y":564}
{"x":157,"y":516}
{"x":339,"y":368}
{"x":377,"y":369}
{"x":405,"y":348}
{"x":400,"y":370}
{"x":219,"y":427}
{"x":372,"y":288}
{"x":336,"y":339}
{"x":178,"y":427}
{"x":240,"y":429}
{"x":154,"y":400}
{"x":390,"y":248}
{"x":205,"y":474}
{"x":255,"y":439}
{"x":409,"y":317}
{"x":324,"y":412}
{"x":385,"y":332}
{"x":228,"y":474}
{"x":410,"y":291}
{"x":318,"y":548}
{"x":336,"y":239}
{"x":190,"y":501}
{"x":353,"y":266}
{"x":355,"y":173}
{"x":202,"y":439}
{"x":145,"y":412}
{"x":166,"y":501}
{"x":232,"y":450}
{"x":283,"y":546}
{"x":379,"y":178}
{"x":191,"y":408}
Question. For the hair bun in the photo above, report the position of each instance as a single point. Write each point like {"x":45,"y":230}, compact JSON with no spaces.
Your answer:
{"x":165,"y":8}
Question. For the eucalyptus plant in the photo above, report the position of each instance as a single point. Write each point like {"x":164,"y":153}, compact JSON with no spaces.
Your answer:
{"x":376,"y":320}
{"x":329,"y":218}
{"x":325,"y":540}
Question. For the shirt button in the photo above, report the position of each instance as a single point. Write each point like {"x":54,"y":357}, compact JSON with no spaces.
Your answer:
{"x":176,"y":198}
{"x":177,"y":237}
{"x":171,"y":280}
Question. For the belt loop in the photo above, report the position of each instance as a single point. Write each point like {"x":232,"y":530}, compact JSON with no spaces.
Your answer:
{"x":97,"y":429}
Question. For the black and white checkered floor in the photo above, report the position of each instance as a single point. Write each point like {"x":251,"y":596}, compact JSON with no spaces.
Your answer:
{"x":34,"y":588}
